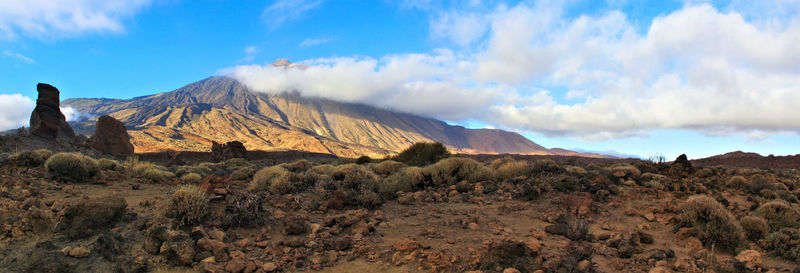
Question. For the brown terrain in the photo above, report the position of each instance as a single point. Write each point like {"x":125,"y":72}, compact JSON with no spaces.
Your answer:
{"x":221,"y":109}
{"x":66,"y":206}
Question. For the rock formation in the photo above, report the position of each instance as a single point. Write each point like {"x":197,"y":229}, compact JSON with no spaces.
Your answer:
{"x":47,"y":120}
{"x":111,"y":137}
{"x":233,"y":149}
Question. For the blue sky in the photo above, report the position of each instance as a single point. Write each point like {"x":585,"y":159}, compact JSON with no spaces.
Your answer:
{"x":633,"y":77}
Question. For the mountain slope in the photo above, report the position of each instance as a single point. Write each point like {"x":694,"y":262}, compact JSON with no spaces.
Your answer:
{"x":222,"y":109}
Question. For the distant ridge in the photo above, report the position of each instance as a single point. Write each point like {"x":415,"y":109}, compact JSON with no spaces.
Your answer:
{"x":222,"y":109}
{"x":741,"y":159}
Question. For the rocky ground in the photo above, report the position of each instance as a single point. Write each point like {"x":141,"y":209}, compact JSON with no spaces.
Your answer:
{"x":331,"y":215}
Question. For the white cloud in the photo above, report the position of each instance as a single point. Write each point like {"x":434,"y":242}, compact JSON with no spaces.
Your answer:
{"x":531,"y":67}
{"x":16,"y":111}
{"x":250,"y":53}
{"x":72,"y":114}
{"x":314,"y":41}
{"x":282,"y":11}
{"x":58,"y":18}
{"x":19,"y":57}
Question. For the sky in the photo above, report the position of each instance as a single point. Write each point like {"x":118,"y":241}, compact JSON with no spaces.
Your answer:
{"x":630,"y":78}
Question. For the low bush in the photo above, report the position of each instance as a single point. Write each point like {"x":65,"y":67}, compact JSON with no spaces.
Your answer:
{"x":238,"y":162}
{"x":625,"y":171}
{"x":545,"y":167}
{"x":188,"y":205}
{"x":779,"y":214}
{"x":737,"y":182}
{"x":109,"y":164}
{"x":405,"y":180}
{"x":356,"y":177}
{"x":71,"y":167}
{"x":326,"y":169}
{"x":754,"y":227}
{"x":299,"y":166}
{"x":245,"y":209}
{"x":530,"y":190}
{"x":512,"y":169}
{"x":784,"y":243}
{"x":759,"y":183}
{"x":363,"y":160}
{"x":570,"y":226}
{"x":30,"y":158}
{"x":713,"y":224}
{"x":505,"y":254}
{"x":263,"y":179}
{"x":422,"y":154}
{"x":191,"y":178}
{"x":575,"y":170}
{"x":456,"y":169}
{"x":156,"y":175}
{"x":388,"y":167}
{"x":243,"y":173}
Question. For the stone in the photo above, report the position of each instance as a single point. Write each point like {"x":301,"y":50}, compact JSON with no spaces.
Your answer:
{"x":269,"y":267}
{"x":406,"y":245}
{"x":215,"y":246}
{"x":535,"y":245}
{"x":511,"y":270}
{"x":79,"y":252}
{"x":233,"y":149}
{"x":585,"y":266}
{"x":660,"y":269}
{"x":111,"y":137}
{"x":242,"y":243}
{"x":236,"y":265}
{"x":750,"y":258}
{"x":47,"y":121}
{"x":217,"y":234}
{"x":88,"y":217}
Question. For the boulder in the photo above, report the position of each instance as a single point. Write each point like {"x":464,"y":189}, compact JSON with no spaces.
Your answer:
{"x":47,"y":121}
{"x":111,"y":137}
{"x":233,"y":149}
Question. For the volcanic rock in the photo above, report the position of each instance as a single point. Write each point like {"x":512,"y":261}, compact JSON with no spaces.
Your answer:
{"x":233,"y":149}
{"x":47,"y":120}
{"x":111,"y":137}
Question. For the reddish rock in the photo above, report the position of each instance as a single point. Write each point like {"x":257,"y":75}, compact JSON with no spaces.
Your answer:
{"x":111,"y":137}
{"x":233,"y":149}
{"x":406,"y":245}
{"x":47,"y":121}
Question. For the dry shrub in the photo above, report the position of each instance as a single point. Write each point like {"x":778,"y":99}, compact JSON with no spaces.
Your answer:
{"x":388,"y":167}
{"x":779,"y":214}
{"x":324,"y":169}
{"x":513,"y":169}
{"x":570,"y":226}
{"x":245,"y":209}
{"x":30,"y":158}
{"x":625,"y":171}
{"x":237,"y":162}
{"x":356,"y":177}
{"x":142,"y":166}
{"x":505,"y":254}
{"x":109,"y":164}
{"x":243,"y":173}
{"x":264,"y":178}
{"x":361,"y":160}
{"x":191,"y":178}
{"x":652,"y":180}
{"x":71,"y":167}
{"x":530,"y":190}
{"x":422,"y":154}
{"x":575,"y":170}
{"x":156,"y":175}
{"x":299,"y":166}
{"x":759,"y":183}
{"x":180,"y":171}
{"x":405,"y":180}
{"x":713,"y":224}
{"x":546,"y":167}
{"x":456,"y":169}
{"x":188,"y":205}
{"x":737,"y":182}
{"x":784,"y":243}
{"x":754,"y":227}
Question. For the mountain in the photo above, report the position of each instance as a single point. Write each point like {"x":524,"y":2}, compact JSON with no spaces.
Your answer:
{"x":222,"y":109}
{"x":741,"y":159}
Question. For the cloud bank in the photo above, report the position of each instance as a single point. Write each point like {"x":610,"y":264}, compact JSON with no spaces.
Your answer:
{"x":58,"y":18}
{"x":532,"y":67}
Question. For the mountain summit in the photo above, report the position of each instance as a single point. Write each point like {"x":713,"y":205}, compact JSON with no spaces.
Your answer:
{"x":222,"y":109}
